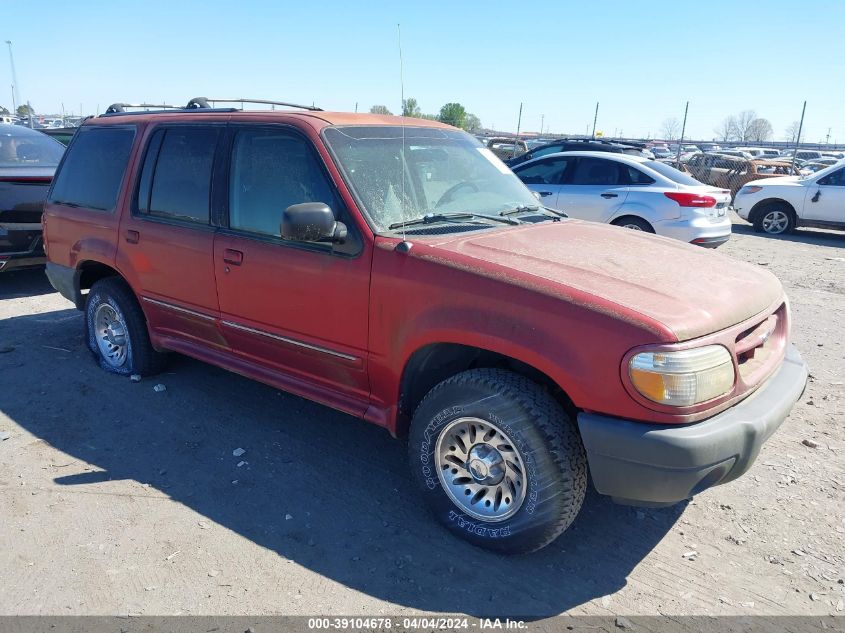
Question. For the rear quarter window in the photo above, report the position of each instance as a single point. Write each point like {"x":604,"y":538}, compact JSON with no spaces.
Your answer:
{"x":93,"y":168}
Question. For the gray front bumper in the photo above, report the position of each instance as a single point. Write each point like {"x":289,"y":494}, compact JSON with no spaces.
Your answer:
{"x":659,"y":464}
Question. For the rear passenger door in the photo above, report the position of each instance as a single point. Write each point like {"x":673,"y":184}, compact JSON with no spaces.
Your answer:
{"x":297,"y":309}
{"x":167,"y":242}
{"x":593,"y":189}
{"x":544,"y":177}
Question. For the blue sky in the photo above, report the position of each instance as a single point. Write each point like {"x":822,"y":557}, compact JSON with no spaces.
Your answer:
{"x":640,"y":60}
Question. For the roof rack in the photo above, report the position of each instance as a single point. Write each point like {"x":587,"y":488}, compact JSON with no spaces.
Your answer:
{"x":121,"y":107}
{"x":199,"y":103}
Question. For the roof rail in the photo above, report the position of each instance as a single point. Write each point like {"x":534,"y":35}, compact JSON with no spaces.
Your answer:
{"x":204,"y":102}
{"x":121,"y":107}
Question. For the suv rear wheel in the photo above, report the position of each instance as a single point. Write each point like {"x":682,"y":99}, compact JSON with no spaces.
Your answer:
{"x":498,"y":460}
{"x":116,"y":330}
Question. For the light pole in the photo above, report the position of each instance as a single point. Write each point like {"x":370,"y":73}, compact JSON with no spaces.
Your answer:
{"x":14,"y":79}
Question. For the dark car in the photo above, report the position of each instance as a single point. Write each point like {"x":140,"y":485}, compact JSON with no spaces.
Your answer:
{"x":573,"y":145}
{"x":27,"y":162}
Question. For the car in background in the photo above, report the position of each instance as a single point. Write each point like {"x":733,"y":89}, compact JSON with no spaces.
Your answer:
{"x":575,"y":145}
{"x":810,"y":167}
{"x":731,"y":172}
{"x":28,"y":159}
{"x":802,"y":154}
{"x":631,"y":192}
{"x":760,"y":152}
{"x":661,"y":152}
{"x":506,"y":148}
{"x":779,"y":205}
{"x":735,"y":152}
{"x":61,"y":134}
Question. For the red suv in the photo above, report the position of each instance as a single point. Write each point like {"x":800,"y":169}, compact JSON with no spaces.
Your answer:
{"x":394,"y":269}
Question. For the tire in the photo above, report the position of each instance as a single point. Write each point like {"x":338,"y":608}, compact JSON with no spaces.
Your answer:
{"x":776,"y":218}
{"x":542,"y":440}
{"x":116,"y":330}
{"x":634,"y":223}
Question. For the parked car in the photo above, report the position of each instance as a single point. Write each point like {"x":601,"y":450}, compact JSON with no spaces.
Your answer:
{"x":27,"y":162}
{"x":730,"y":172}
{"x":760,"y":152}
{"x":779,"y":205}
{"x":632,"y":192}
{"x":661,"y":152}
{"x":810,"y":167}
{"x":575,"y":145}
{"x":61,"y":134}
{"x":506,"y":147}
{"x":735,"y":152}
{"x":802,"y":154}
{"x":517,"y":350}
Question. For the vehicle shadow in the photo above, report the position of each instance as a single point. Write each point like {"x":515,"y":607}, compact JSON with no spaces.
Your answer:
{"x":805,"y":235}
{"x":27,"y":282}
{"x":355,"y":517}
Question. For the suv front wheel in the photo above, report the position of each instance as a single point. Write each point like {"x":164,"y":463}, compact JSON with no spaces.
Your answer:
{"x":116,"y":330}
{"x":498,"y":460}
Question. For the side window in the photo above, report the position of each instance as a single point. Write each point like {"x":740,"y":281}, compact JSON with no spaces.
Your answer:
{"x":554,"y":149}
{"x":93,"y":169}
{"x":596,"y":172}
{"x":176,"y":176}
{"x":836,"y":179}
{"x":636,"y":177}
{"x":270,"y":171}
{"x":544,"y":172}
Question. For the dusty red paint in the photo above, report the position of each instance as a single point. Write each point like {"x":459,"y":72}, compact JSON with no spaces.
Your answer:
{"x":570,"y":299}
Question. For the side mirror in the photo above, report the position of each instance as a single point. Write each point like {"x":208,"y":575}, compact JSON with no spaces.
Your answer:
{"x":312,"y":222}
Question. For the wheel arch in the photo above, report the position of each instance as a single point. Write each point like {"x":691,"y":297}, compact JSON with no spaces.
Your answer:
{"x":766,"y":202}
{"x":435,"y":362}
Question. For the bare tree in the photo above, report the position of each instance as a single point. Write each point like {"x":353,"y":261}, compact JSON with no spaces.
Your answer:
{"x":380,"y":109}
{"x":726,"y":130}
{"x":670,"y":129}
{"x":759,"y":130}
{"x":743,"y":122}
{"x":792,"y":131}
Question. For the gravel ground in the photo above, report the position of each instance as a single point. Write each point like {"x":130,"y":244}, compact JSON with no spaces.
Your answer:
{"x":119,"y":499}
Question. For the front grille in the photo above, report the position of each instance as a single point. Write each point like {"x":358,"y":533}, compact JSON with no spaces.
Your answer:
{"x":759,"y":347}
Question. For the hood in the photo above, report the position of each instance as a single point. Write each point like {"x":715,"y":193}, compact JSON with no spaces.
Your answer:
{"x":689,"y":290}
{"x":776,"y":180}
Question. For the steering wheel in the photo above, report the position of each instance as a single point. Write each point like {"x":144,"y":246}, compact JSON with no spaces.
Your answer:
{"x":449,"y":194}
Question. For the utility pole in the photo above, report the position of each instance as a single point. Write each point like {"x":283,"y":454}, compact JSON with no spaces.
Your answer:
{"x":518,"y":125}
{"x":798,"y":138}
{"x":542,"y":119}
{"x":15,"y":89}
{"x":595,"y":118}
{"x":683,"y":131}
{"x":827,"y":138}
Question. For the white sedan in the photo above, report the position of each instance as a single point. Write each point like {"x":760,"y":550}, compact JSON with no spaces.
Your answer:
{"x":630,"y":191}
{"x":778,"y":205}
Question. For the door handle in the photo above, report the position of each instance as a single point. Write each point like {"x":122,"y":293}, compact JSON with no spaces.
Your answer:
{"x":132,"y":237}
{"x":543,"y":194}
{"x":231,"y":256}
{"x":610,"y":195}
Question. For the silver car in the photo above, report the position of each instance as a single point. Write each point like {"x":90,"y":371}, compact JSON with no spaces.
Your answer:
{"x":632,"y":192}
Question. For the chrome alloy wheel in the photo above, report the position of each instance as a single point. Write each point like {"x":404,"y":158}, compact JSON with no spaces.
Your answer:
{"x":775,"y":222}
{"x":110,"y":333}
{"x":633,"y":227}
{"x":480,"y":469}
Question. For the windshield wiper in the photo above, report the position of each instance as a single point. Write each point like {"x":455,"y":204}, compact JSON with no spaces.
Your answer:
{"x":430,"y":218}
{"x":525,"y":208}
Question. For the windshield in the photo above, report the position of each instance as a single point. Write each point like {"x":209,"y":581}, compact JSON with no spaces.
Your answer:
{"x":667,"y":171}
{"x":22,"y":147}
{"x":443,"y":171}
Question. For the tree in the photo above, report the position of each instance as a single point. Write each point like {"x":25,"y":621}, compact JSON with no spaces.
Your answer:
{"x":670,"y":129}
{"x":792,"y":132}
{"x":410,"y":108}
{"x":25,"y":110}
{"x":743,"y":124}
{"x":759,"y":130}
{"x":453,"y":114}
{"x":4,"y":110}
{"x":380,"y":109}
{"x":726,"y":130}
{"x":471,"y":123}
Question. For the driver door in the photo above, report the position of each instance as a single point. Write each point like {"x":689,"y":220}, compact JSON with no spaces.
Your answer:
{"x":829,"y":196}
{"x":544,"y":177}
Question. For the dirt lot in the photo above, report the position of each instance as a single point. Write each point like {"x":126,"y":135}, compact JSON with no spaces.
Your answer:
{"x":118,"y":499}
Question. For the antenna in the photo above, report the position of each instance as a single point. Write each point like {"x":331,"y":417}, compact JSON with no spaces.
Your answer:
{"x":402,"y":153}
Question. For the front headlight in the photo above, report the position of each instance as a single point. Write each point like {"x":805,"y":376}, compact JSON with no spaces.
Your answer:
{"x":684,"y":378}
